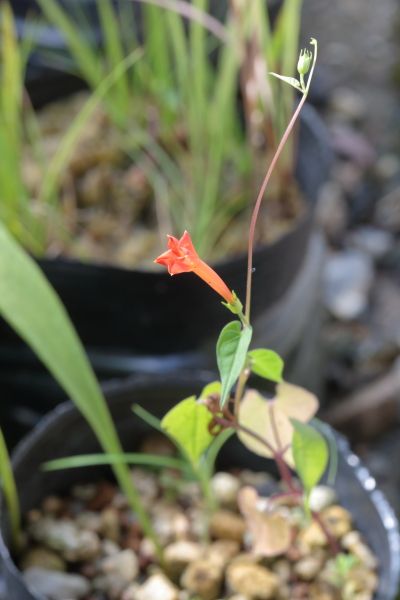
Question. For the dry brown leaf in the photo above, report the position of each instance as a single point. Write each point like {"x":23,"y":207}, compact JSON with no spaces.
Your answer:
{"x":290,"y":402}
{"x":270,"y":530}
{"x":296,"y":402}
{"x":254,"y":415}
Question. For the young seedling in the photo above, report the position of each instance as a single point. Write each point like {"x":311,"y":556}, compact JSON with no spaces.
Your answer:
{"x":278,"y":428}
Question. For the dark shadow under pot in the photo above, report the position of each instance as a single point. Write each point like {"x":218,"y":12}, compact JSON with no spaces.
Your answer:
{"x":64,"y":432}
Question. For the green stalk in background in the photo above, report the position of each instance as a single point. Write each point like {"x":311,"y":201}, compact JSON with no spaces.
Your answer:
{"x":15,"y":210}
{"x":17,"y":121}
{"x":200,"y":162}
{"x":49,"y":188}
{"x":8,"y":487}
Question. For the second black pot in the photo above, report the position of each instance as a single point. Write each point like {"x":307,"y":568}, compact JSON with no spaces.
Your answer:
{"x":64,"y":432}
{"x":141,"y":312}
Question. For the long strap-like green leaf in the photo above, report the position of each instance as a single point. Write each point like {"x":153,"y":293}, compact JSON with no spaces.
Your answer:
{"x":7,"y":485}
{"x":30,"y":305}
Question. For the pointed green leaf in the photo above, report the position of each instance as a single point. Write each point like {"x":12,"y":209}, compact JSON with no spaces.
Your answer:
{"x":290,"y":80}
{"x":267,"y":364}
{"x":187,"y":424}
{"x":232,"y":346}
{"x":333,"y":450}
{"x":310,"y":453}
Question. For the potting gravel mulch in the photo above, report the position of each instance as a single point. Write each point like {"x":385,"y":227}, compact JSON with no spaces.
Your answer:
{"x":88,"y":544}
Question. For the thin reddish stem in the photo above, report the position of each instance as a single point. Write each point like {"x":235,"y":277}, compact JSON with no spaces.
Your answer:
{"x":285,"y":473}
{"x":334,"y":546}
{"x":274,"y":425}
{"x":259,"y":200}
{"x":283,"y":469}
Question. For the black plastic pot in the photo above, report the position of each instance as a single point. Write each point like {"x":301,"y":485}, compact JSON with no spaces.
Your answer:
{"x":64,"y":432}
{"x":148,"y":312}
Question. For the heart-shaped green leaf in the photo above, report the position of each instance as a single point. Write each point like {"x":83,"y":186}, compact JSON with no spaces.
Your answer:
{"x":266,"y":363}
{"x":232,"y":346}
{"x":187,"y":424}
{"x":310,"y":454}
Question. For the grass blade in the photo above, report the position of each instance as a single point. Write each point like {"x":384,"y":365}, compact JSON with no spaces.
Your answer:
{"x":84,"y":54}
{"x":114,"y":53}
{"x":215,"y":449}
{"x":71,"y":138}
{"x":9,"y":489}
{"x":131,"y":458}
{"x":148,"y":418}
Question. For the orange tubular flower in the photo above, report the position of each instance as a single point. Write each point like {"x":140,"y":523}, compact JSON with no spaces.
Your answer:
{"x":181,"y":257}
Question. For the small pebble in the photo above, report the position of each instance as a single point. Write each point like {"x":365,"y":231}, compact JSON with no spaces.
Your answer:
{"x":371,"y":240}
{"x":109,"y":584}
{"x":387,"y":211}
{"x":178,"y":555}
{"x":109,"y":548}
{"x":84,"y":492}
{"x":110,"y":524}
{"x":311,"y":537}
{"x":53,"y":505}
{"x":227,"y":525}
{"x":307,"y":568}
{"x":225,"y":488}
{"x":347,"y":280}
{"x":352,"y":542}
{"x":56,"y":586}
{"x":157,"y":587}
{"x":255,"y":582}
{"x":170,"y":523}
{"x":43,"y":558}
{"x":89,"y":520}
{"x":332,"y":213}
{"x":203,"y":579}
{"x":387,"y":166}
{"x":222,"y":552}
{"x":65,"y":537}
{"x":124,"y":565}
{"x":321,"y":497}
{"x":337,"y":519}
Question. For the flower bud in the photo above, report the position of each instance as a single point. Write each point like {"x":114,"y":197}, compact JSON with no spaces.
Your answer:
{"x":304,"y":63}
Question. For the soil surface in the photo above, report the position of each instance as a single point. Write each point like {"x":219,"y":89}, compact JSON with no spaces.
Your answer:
{"x":88,"y":545}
